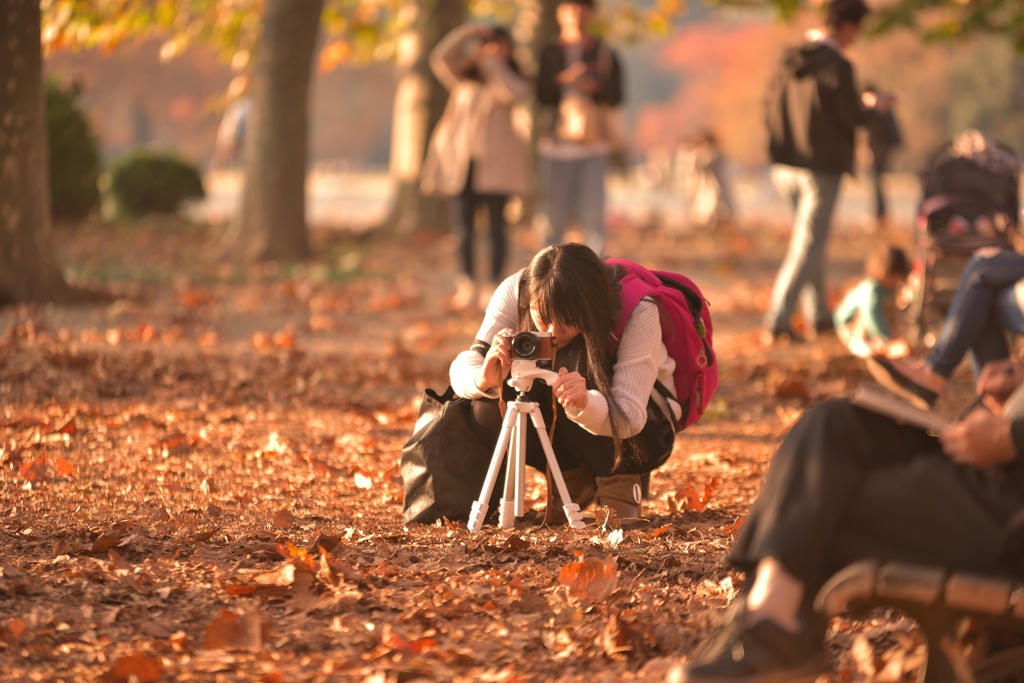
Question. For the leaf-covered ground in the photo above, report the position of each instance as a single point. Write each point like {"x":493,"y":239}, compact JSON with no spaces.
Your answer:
{"x":200,"y":476}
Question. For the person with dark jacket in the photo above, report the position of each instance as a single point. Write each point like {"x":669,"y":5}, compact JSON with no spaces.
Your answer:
{"x":848,"y":484}
{"x":579,"y":84}
{"x":813,"y":108}
{"x":883,"y":137}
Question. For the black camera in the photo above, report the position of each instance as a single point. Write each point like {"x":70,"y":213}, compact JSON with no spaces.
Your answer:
{"x":535,"y":346}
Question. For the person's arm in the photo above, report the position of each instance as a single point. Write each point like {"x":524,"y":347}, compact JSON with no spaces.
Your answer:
{"x":610,"y":92}
{"x":502,"y":312}
{"x":846,"y":106}
{"x":986,"y":438}
{"x":633,"y":377}
{"x":508,"y":86}
{"x":445,"y":57}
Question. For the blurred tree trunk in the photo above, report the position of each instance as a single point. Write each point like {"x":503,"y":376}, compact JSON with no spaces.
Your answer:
{"x":28,"y":269}
{"x":272,"y":219}
{"x":419,"y":103}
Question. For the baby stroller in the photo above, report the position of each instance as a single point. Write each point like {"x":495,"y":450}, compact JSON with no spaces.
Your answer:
{"x":970,"y":201}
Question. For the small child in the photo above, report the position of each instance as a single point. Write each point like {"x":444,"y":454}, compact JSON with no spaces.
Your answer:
{"x":860,"y":319}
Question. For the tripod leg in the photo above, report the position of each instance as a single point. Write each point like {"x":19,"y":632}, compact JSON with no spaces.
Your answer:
{"x":479,"y":509}
{"x":572,"y":510}
{"x":507,"y":512}
{"x":520,"y":490}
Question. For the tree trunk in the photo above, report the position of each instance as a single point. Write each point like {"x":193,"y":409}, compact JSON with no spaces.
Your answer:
{"x":28,"y":269}
{"x":419,"y":102}
{"x":272,"y":220}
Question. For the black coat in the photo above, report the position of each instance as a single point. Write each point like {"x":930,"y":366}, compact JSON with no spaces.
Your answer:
{"x":813,"y":108}
{"x":601,"y":62}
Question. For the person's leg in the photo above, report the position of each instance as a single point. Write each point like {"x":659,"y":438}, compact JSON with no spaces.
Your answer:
{"x":558,"y":183}
{"x":460,"y":215}
{"x":877,"y":169}
{"x":825,"y":187}
{"x":804,"y":262}
{"x":499,"y":242}
{"x":972,"y":309}
{"x":591,"y":200}
{"x":814,"y":476}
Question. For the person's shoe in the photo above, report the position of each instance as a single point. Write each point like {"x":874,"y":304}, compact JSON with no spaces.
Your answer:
{"x":762,"y":653}
{"x":622,"y":493}
{"x":465,"y":293}
{"x":775,"y":338}
{"x":823,"y":327}
{"x":888,"y":374}
{"x":582,"y":486}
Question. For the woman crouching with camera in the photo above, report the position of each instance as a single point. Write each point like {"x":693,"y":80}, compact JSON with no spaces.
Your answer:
{"x":610,"y":415}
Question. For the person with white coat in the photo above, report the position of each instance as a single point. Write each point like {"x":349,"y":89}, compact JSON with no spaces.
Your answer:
{"x":475,"y":156}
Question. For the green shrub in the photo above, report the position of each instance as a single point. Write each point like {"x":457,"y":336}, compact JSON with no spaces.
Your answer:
{"x":153,"y":182}
{"x":74,"y":157}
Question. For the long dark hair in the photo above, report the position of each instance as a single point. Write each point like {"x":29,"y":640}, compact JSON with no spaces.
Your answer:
{"x":571,"y":285}
{"x":498,"y":34}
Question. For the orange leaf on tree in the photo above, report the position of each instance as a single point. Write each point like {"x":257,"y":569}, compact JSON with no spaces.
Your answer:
{"x":139,"y":666}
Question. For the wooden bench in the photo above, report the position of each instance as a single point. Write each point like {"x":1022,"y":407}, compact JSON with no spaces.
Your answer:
{"x":943,"y":604}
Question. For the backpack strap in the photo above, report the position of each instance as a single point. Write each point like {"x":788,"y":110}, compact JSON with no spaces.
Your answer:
{"x":633,"y":290}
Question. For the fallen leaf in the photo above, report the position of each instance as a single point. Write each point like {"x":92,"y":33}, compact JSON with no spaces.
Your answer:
{"x":230,"y":631}
{"x":35,"y":470}
{"x":64,"y":467}
{"x":591,"y":580}
{"x":283,"y":519}
{"x":105,"y":541}
{"x":139,"y":666}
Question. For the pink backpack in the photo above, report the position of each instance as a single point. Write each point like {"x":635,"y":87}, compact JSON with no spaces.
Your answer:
{"x":685,"y":330}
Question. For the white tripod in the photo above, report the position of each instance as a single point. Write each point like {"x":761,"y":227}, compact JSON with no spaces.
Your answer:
{"x":512,"y":441}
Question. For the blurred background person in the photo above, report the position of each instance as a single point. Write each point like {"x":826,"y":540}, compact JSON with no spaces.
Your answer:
{"x":230,"y":141}
{"x":475,"y":156}
{"x":883,"y":137}
{"x":712,"y":202}
{"x":578,"y":87}
{"x":813,"y":108}
{"x":862,"y":318}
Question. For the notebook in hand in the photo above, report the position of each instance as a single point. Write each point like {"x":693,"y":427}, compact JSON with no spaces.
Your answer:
{"x":884,"y":403}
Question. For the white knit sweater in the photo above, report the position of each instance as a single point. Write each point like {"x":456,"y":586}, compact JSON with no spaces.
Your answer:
{"x":642,"y":358}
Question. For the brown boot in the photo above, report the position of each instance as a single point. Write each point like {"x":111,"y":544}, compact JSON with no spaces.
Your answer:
{"x":620,"y":492}
{"x":582,"y":488}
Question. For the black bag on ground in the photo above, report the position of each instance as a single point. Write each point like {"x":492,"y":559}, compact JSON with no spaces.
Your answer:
{"x":444,"y":462}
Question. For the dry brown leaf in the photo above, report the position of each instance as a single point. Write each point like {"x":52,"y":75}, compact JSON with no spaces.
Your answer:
{"x":35,"y":470}
{"x":230,"y":631}
{"x":283,"y":519}
{"x":105,"y":541}
{"x":592,"y":580}
{"x":139,"y":666}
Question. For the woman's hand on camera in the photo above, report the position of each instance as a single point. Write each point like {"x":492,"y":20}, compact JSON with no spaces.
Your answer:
{"x":497,"y":361}
{"x":571,"y":390}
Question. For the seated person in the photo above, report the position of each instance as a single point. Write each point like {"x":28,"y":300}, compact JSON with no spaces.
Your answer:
{"x":610,"y":423}
{"x":988,"y":303}
{"x":847,"y":484}
{"x":860,"y":319}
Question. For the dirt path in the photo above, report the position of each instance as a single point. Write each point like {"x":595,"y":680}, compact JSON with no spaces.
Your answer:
{"x":199,"y":479}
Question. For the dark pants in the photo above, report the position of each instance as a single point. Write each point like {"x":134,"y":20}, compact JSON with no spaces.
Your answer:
{"x":984,"y":309}
{"x":462,"y":209}
{"x":574,"y":446}
{"x":880,"y":166}
{"x":847,"y":484}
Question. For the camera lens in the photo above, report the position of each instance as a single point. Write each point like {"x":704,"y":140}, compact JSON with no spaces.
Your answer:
{"x":524,"y":345}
